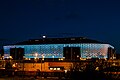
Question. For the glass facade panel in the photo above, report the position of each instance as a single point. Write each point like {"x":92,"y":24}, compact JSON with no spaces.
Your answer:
{"x":56,"y":50}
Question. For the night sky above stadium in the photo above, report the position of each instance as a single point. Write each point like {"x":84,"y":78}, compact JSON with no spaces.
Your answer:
{"x":25,"y":19}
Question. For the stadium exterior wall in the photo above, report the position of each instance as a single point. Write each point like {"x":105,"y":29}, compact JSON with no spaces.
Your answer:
{"x":87,"y":50}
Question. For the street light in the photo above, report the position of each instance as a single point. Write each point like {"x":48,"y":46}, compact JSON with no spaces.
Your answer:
{"x":43,"y":57}
{"x":41,"y":61}
{"x":53,"y":58}
{"x":36,"y":54}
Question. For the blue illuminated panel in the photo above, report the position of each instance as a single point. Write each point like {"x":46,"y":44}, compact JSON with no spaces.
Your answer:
{"x":56,"y":50}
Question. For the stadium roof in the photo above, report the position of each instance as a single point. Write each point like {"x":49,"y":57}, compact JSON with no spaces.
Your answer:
{"x":71,"y":40}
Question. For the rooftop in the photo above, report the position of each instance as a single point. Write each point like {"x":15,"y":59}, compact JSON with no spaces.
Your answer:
{"x":67,"y":40}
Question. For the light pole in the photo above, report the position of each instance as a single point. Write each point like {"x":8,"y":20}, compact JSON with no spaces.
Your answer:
{"x":41,"y":61}
{"x":35,"y":59}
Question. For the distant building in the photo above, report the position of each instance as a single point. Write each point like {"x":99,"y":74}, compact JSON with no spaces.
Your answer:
{"x":72,"y":48}
{"x":117,"y":56}
{"x":1,"y":52}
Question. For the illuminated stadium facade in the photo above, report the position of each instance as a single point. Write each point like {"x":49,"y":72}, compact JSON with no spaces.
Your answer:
{"x":68,"y":48}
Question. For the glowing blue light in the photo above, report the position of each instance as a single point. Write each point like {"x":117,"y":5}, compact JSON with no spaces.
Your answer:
{"x":56,"y":50}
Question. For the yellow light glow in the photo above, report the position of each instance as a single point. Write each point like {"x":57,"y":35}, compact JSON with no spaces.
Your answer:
{"x":54,"y":68}
{"x":58,"y":68}
{"x":14,"y":65}
{"x":36,"y":54}
{"x":51,"y":68}
{"x":97,"y":69}
{"x":61,"y":59}
{"x":10,"y":57}
{"x":65,"y":71}
{"x":26,"y":58}
{"x":82,"y":58}
{"x":43,"y":59}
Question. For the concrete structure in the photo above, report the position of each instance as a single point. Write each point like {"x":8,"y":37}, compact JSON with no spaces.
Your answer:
{"x":46,"y":66}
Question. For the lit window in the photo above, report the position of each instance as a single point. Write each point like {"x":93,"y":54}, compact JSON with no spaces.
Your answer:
{"x":51,"y":68}
{"x":58,"y":68}
{"x":54,"y":68}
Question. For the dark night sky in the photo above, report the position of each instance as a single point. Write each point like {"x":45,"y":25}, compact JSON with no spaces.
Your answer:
{"x":25,"y":19}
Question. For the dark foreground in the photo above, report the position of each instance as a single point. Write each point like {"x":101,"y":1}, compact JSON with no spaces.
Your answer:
{"x":27,"y":78}
{"x":76,"y":75}
{"x":88,"y":74}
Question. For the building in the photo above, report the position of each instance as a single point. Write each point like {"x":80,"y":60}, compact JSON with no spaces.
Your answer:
{"x":118,"y":56}
{"x":73,"y":48}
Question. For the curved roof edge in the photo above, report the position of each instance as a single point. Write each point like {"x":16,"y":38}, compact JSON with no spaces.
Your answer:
{"x":59,"y":41}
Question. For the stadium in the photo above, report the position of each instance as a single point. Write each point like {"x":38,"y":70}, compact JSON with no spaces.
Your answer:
{"x":71,"y":48}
